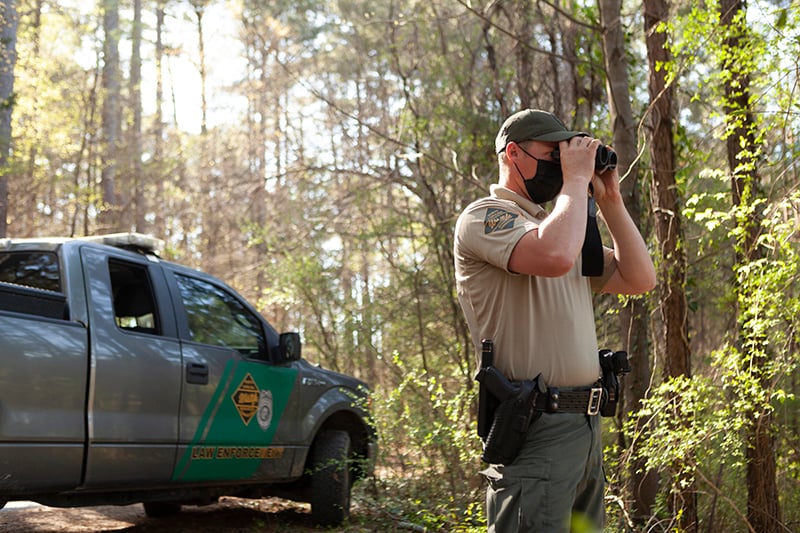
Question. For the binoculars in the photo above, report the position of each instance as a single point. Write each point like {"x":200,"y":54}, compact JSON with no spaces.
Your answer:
{"x":604,"y":159}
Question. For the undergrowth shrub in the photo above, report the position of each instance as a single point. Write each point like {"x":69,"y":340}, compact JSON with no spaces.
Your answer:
{"x":427,"y":470}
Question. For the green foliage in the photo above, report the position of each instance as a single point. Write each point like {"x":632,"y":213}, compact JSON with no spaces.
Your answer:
{"x":696,"y":426}
{"x":677,"y":428}
{"x":429,"y":448}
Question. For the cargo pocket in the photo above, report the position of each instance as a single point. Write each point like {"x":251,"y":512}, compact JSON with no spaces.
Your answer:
{"x":517,"y":499}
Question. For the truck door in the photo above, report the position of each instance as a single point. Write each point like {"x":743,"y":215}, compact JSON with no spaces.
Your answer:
{"x":234,"y":398}
{"x":135,"y":372}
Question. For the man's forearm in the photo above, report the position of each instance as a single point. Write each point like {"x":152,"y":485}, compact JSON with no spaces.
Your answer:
{"x":632,"y":256}
{"x":565,"y":226}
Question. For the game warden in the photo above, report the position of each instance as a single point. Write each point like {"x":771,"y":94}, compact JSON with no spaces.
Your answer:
{"x":525,"y":276}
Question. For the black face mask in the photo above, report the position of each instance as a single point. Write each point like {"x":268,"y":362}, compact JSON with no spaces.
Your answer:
{"x":546,"y":183}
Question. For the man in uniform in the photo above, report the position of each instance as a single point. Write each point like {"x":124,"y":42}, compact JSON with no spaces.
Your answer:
{"x":524,"y":282}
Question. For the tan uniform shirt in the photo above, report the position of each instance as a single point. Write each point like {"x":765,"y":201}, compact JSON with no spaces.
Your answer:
{"x":538,"y":324}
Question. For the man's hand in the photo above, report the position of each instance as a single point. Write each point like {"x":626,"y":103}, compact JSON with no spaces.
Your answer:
{"x":605,"y":186}
{"x":577,"y":158}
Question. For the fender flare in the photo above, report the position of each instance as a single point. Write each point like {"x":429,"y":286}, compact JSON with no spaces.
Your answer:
{"x":339,"y":408}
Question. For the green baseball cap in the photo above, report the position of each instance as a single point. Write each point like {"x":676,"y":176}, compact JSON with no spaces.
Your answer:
{"x":532,"y":125}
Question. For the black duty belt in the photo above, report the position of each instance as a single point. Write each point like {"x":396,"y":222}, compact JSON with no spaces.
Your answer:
{"x":587,"y":401}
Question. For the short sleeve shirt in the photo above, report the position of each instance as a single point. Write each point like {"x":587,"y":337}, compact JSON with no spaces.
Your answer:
{"x":538,"y":324}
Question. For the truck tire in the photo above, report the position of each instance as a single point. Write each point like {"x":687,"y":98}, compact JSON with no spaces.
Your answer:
{"x":330,"y":478}
{"x":161,"y":509}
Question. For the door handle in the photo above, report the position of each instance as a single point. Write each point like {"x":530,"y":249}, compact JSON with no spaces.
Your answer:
{"x":197,"y":373}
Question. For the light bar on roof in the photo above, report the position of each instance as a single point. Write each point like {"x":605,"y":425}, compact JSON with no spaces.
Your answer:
{"x":129,"y":240}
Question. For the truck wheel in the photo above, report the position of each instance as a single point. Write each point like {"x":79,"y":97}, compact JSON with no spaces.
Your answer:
{"x":161,"y":509}
{"x":330,"y":478}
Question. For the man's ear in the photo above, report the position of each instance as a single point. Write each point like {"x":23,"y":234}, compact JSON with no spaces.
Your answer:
{"x":512,"y":150}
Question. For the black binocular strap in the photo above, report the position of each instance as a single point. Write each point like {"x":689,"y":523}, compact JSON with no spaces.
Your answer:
{"x":592,"y":253}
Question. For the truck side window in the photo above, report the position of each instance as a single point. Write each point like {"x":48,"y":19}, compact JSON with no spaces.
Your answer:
{"x":217,"y":317}
{"x":31,"y":269}
{"x":134,"y":305}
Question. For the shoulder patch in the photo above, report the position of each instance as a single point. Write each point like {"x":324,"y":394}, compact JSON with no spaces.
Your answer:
{"x":498,"y":219}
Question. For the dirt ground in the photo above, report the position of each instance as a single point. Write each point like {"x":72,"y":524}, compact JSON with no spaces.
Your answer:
{"x":230,"y":515}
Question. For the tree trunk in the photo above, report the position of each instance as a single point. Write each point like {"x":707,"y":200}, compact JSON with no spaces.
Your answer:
{"x":763,"y":507}
{"x":135,"y":150}
{"x":8,"y":58}
{"x":160,"y":225}
{"x":523,"y":61}
{"x":109,"y":215}
{"x":672,"y":261}
{"x":642,"y":484}
{"x":199,"y":11}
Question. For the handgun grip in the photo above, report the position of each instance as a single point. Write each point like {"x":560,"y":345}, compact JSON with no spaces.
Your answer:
{"x":496,"y":383}
{"x":487,"y":352}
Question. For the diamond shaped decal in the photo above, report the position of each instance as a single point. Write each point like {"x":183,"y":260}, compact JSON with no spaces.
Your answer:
{"x":245,"y":398}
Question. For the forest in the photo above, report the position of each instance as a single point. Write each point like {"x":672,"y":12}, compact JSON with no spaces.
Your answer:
{"x":316,"y":154}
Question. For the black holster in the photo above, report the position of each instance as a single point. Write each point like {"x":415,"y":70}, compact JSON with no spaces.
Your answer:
{"x":505,"y":410}
{"x":614,"y":365}
{"x":487,"y":401}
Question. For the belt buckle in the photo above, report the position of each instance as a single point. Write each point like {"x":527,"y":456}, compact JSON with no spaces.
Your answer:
{"x":595,"y":399}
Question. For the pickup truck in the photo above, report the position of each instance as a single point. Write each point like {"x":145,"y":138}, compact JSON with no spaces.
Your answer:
{"x":127,"y":378}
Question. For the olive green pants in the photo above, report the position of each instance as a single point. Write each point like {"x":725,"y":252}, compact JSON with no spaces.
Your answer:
{"x":555,"y":484}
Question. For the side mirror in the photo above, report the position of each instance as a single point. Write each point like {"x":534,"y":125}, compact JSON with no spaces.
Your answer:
{"x":289,"y":347}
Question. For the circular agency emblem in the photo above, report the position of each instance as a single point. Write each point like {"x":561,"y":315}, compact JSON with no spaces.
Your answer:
{"x":264,"y":413}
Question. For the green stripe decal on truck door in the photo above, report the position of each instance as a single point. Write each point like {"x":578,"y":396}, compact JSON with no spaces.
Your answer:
{"x":239,"y":423}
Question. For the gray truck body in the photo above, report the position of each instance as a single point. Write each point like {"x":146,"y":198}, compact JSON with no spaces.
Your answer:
{"x":126,"y":378}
